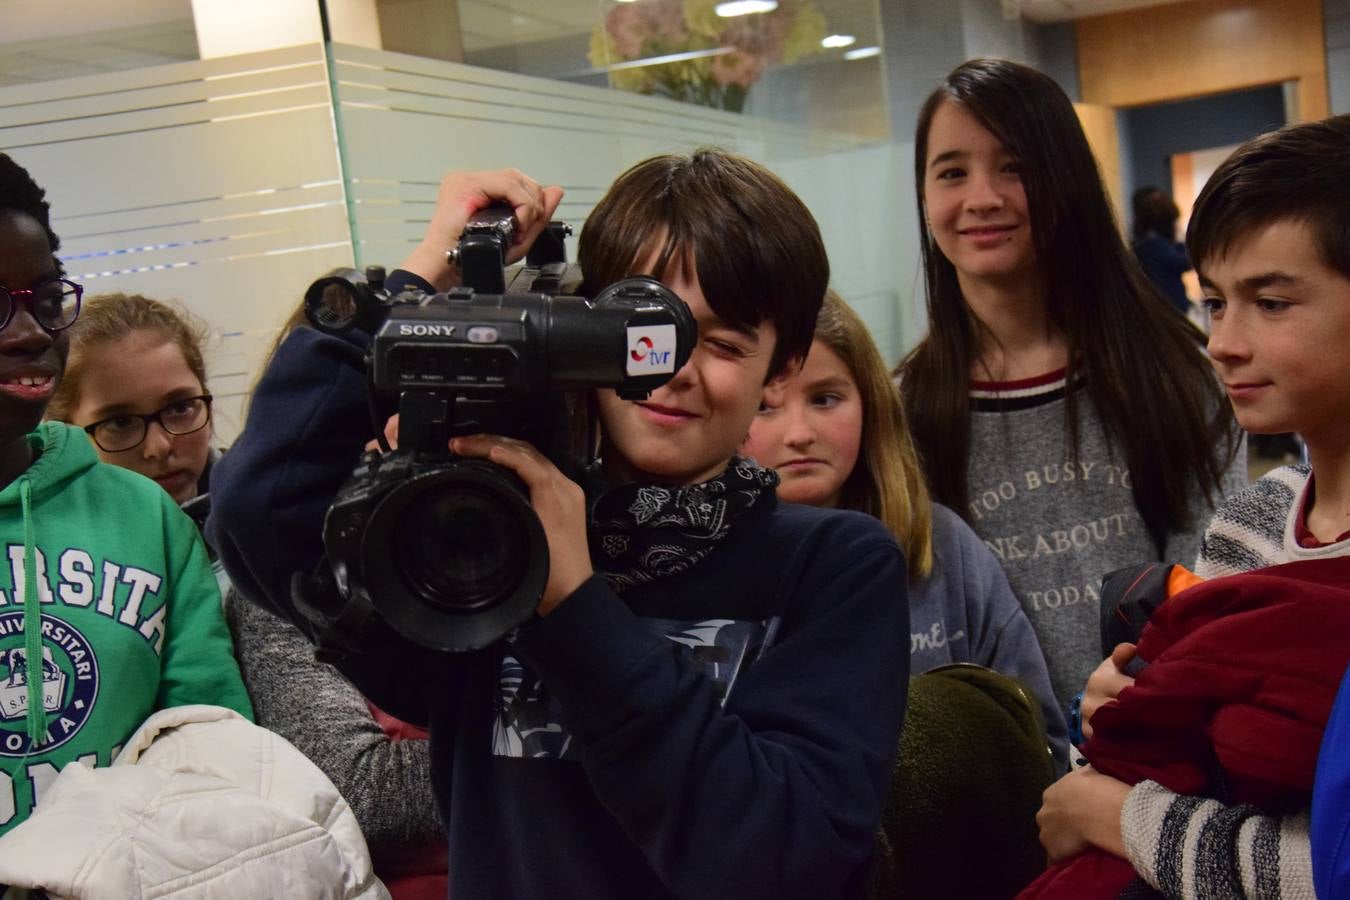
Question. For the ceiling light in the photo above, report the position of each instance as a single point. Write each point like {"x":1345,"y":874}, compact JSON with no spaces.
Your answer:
{"x":745,"y":7}
{"x":862,"y":53}
{"x":835,"y":41}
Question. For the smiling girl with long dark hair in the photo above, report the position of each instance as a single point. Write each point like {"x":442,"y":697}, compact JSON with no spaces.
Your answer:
{"x":1057,"y":402}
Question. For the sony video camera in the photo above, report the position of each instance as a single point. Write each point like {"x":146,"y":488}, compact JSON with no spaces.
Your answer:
{"x":446,"y":550}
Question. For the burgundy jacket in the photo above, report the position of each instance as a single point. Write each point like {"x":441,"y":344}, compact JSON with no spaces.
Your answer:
{"x":1240,"y":678}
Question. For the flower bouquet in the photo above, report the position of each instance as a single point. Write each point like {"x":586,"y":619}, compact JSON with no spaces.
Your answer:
{"x":684,"y":50}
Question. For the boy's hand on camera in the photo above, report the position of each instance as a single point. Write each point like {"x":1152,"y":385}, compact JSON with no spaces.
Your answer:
{"x":1105,"y":683}
{"x":464,"y":193}
{"x":558,"y":502}
{"x":390,"y":434}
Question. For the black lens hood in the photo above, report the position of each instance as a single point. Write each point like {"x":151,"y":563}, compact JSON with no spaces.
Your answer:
{"x":438,"y":626}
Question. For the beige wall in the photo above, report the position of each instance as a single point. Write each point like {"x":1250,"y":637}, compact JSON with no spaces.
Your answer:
{"x":1099,"y":124}
{"x":1183,"y":50}
{"x":425,"y":28}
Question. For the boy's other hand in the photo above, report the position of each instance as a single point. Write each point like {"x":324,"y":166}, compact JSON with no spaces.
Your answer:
{"x":1106,"y":683}
{"x":558,"y":501}
{"x":1082,"y":810}
{"x":464,"y":193}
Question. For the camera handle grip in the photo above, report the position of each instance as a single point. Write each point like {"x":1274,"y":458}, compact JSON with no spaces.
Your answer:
{"x":482,"y":263}
{"x":483,"y":245}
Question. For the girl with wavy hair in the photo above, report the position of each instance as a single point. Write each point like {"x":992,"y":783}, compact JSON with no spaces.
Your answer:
{"x":835,"y":432}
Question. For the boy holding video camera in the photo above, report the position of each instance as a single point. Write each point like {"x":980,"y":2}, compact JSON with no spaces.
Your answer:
{"x":708,"y":700}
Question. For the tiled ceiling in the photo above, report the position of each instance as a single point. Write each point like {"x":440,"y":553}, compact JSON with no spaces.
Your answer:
{"x":41,"y":39}
{"x":27,"y":20}
{"x":113,"y":50}
{"x":493,"y":23}
{"x":488,"y":24}
{"x":1063,"y":10}
{"x":93,"y":36}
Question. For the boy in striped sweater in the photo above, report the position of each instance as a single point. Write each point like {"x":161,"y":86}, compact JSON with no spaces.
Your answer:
{"x":1270,"y":234}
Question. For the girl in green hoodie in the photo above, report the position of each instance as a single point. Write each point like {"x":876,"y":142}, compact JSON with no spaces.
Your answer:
{"x":130,"y":618}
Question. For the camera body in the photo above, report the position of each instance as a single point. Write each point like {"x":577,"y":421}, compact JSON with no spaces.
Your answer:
{"x":448,"y":551}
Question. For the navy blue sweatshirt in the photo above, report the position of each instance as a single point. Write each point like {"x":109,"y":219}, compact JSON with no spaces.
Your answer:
{"x":726,"y":732}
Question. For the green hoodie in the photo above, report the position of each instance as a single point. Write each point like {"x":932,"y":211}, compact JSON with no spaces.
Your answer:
{"x":131,"y":619}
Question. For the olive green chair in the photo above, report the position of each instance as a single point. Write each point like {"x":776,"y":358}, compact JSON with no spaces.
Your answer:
{"x":960,"y":821}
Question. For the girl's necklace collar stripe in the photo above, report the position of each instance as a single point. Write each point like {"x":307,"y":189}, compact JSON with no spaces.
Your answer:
{"x":1048,"y":381}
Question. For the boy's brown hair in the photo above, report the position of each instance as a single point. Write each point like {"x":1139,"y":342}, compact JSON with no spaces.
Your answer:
{"x":1300,"y":173}
{"x":754,"y":246}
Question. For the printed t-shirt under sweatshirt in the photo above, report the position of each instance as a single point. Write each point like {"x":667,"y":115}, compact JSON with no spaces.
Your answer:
{"x":131,"y":619}
{"x":1059,"y":523}
{"x":623,"y":746}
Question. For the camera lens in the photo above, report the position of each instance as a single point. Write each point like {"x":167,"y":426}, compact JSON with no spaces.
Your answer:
{"x":454,"y":557}
{"x":462,"y":548}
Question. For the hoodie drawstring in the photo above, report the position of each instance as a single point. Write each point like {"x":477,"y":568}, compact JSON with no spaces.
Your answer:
{"x":32,"y":622}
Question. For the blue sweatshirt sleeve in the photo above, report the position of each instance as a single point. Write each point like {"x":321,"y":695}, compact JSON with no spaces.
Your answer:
{"x":776,"y":794}
{"x":308,"y":423}
{"x":307,"y":426}
{"x":1331,"y":803}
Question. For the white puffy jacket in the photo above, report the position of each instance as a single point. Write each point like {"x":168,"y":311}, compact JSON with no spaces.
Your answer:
{"x":200,"y":803}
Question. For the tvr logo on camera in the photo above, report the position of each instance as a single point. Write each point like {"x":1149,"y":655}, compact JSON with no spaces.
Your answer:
{"x":651,"y":349}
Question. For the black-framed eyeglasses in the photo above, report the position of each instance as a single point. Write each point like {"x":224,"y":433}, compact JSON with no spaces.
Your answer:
{"x":125,"y":432}
{"x":54,"y":304}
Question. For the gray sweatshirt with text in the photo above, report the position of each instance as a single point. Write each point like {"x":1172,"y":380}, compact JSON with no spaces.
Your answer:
{"x":1059,"y":523}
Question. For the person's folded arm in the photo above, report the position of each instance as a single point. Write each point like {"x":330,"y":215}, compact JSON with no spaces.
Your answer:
{"x":1197,"y":847}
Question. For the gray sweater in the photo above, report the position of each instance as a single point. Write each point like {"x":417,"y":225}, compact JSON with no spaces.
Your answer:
{"x":387,"y":783}
{"x":1058,"y":524}
{"x":965,"y":611}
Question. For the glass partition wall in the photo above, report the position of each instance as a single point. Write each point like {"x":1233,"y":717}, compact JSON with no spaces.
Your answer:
{"x":226,"y":154}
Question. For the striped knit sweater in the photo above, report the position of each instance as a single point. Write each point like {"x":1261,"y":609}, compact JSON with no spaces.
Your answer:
{"x":1199,"y":849}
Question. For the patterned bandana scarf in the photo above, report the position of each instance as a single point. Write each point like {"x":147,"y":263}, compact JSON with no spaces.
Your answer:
{"x":640,"y":533}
